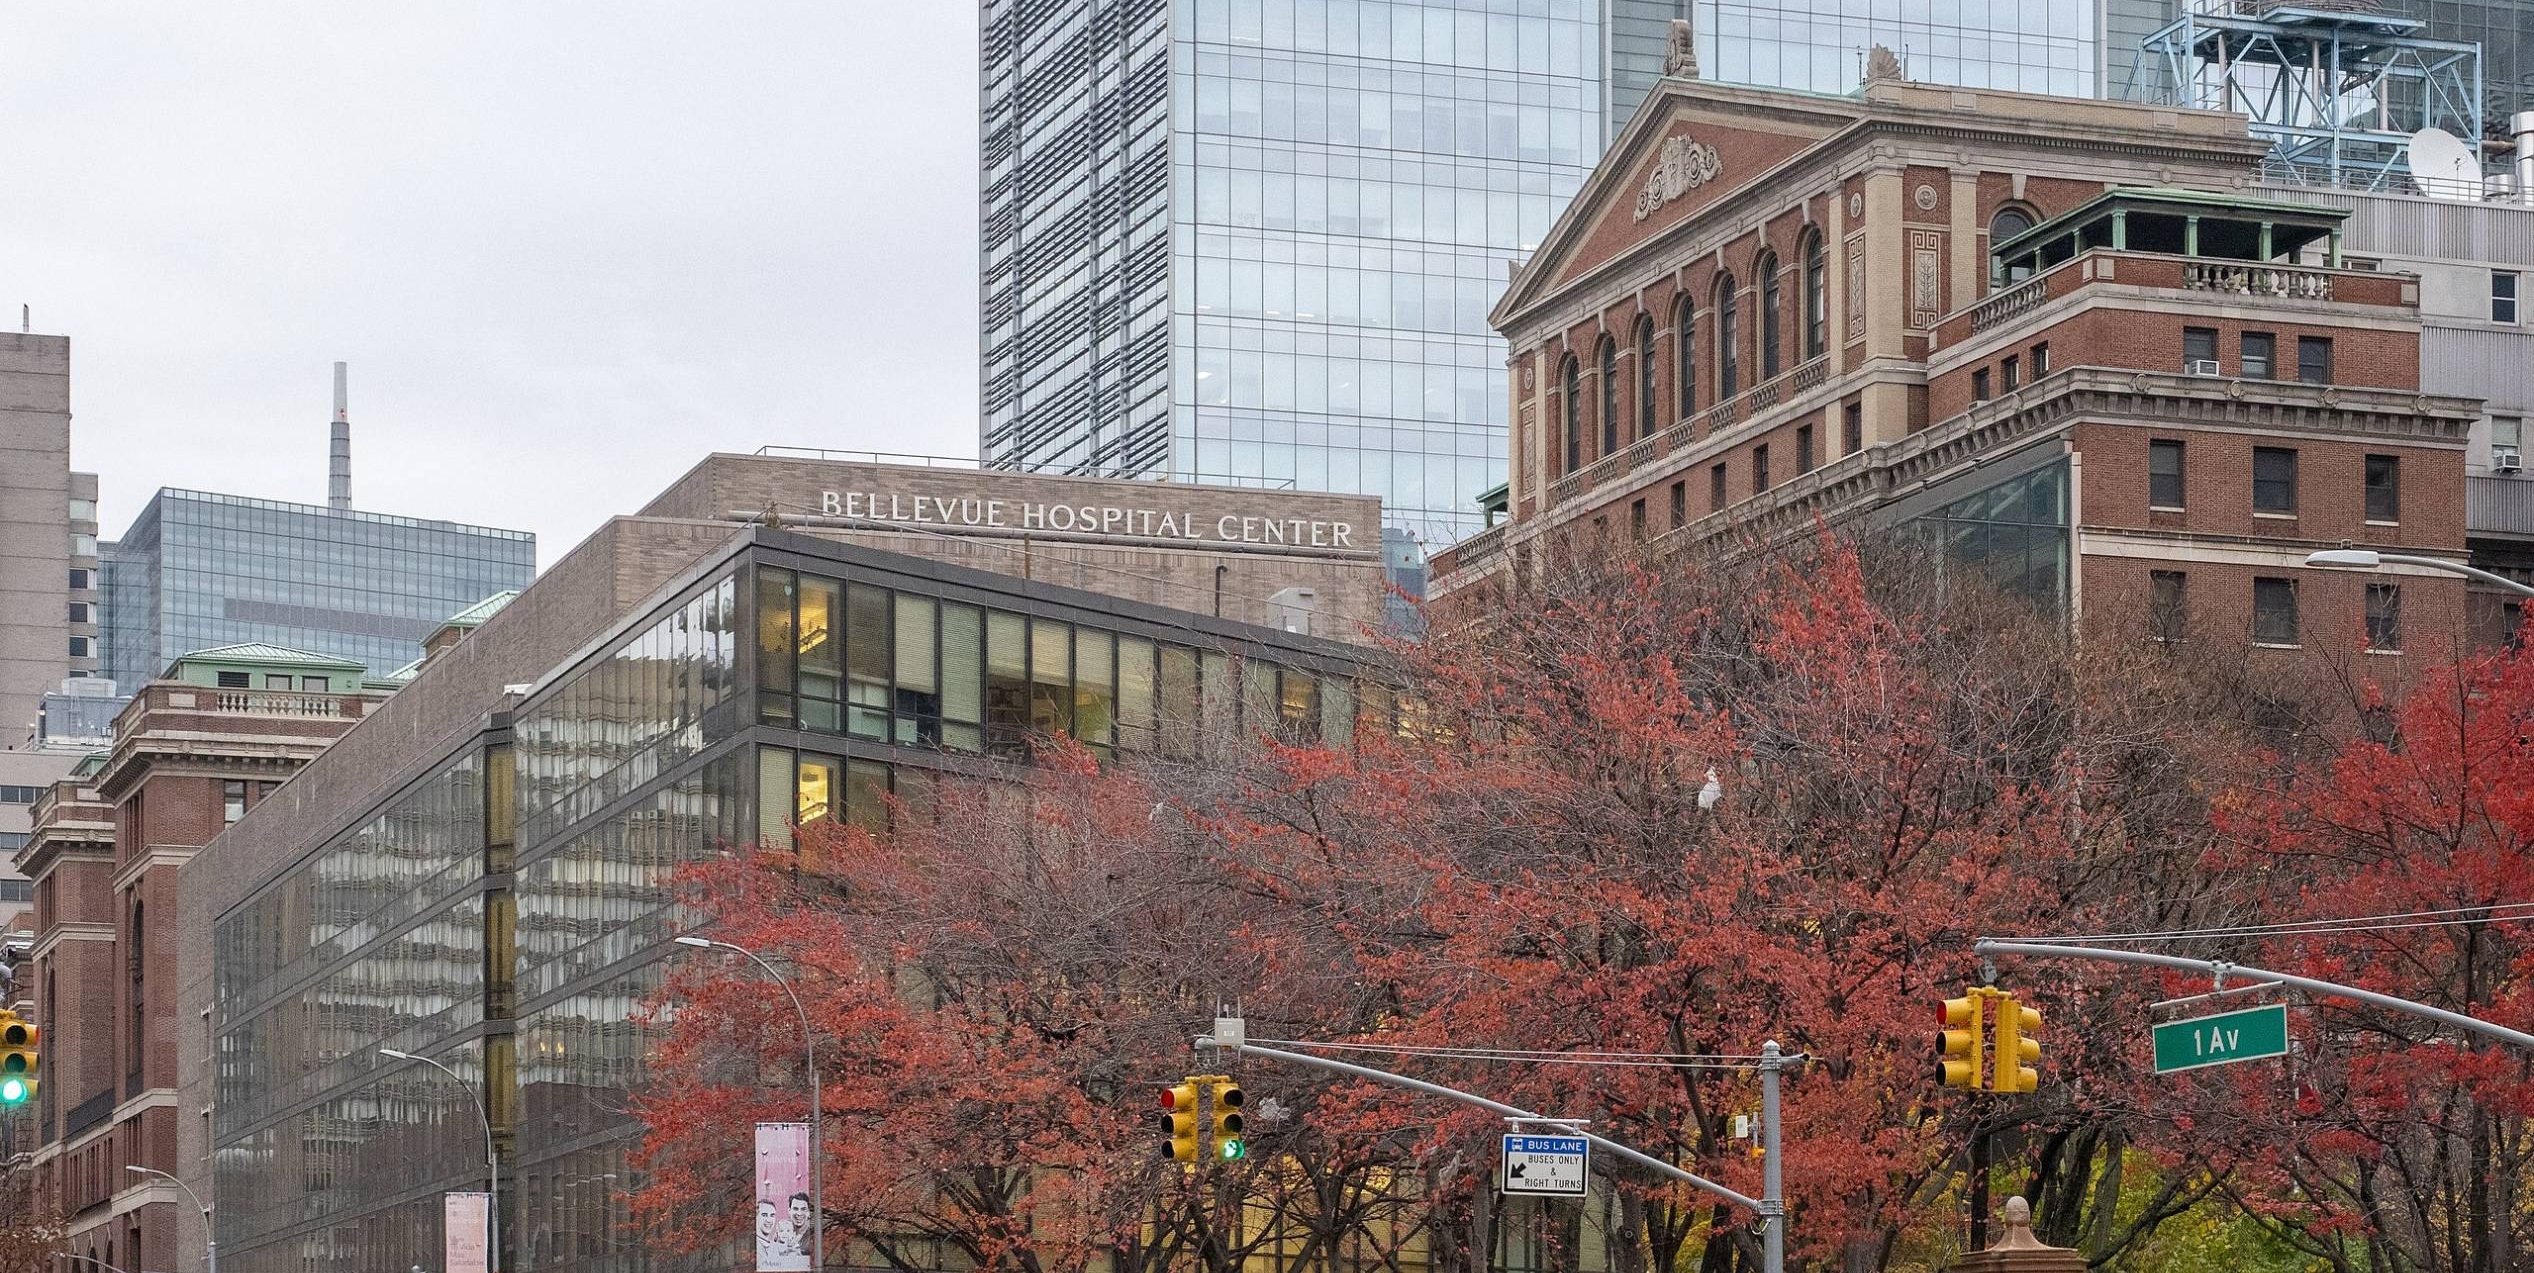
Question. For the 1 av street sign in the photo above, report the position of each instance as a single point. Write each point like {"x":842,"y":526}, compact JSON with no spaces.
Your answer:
{"x":2249,"y":1035}
{"x":1556,"y":1166}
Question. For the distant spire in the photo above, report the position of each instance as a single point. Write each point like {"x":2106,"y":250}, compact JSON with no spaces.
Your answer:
{"x":339,"y":459}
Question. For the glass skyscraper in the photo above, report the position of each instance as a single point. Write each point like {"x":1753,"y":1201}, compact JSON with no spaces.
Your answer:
{"x":198,"y":570}
{"x":1255,"y":241}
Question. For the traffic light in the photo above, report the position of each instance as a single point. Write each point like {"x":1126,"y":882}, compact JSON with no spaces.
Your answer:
{"x":20,"y":1059}
{"x":1228,"y":1141}
{"x":2017,"y":1051}
{"x":1958,"y":1044}
{"x":1179,"y":1119}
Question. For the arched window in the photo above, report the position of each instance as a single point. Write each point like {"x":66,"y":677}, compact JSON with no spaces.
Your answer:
{"x":1609,"y":367}
{"x":1647,"y":401}
{"x":1816,"y":301}
{"x":1769,"y":311}
{"x":2010,"y":221}
{"x":1685,"y":356}
{"x":1570,"y":403}
{"x":1728,"y":360}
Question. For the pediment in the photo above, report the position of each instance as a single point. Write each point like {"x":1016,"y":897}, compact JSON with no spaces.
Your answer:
{"x":1693,"y":145}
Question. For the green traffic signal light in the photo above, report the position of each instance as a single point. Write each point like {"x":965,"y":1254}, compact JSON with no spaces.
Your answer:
{"x":14,"y":1091}
{"x":1235,"y":1149}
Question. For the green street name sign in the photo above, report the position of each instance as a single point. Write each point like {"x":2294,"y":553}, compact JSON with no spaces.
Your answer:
{"x":2250,"y":1035}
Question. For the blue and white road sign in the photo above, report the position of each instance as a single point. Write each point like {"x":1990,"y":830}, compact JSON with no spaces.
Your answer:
{"x":1557,"y":1166}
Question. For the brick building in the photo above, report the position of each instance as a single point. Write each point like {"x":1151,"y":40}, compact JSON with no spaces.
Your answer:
{"x":192,"y":753}
{"x":2068,"y":340}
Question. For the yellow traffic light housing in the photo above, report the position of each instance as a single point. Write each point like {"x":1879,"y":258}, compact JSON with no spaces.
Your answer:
{"x":1958,"y":1044}
{"x":21,"y":1058}
{"x":1179,"y":1119}
{"x":1229,"y":1144}
{"x":2018,"y":1053}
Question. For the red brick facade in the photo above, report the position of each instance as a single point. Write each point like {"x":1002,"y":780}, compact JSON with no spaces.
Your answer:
{"x":1906,"y":361}
{"x":104,"y":857}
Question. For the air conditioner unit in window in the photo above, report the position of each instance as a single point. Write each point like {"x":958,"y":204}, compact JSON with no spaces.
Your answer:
{"x":2201,"y":367}
{"x":2505,"y":459}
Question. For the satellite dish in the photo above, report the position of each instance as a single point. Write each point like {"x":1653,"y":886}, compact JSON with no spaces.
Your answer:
{"x":2442,"y":167}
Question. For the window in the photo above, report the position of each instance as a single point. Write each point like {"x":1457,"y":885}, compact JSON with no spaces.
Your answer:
{"x":79,"y":612}
{"x":1769,"y":315}
{"x":2041,"y":360}
{"x":1759,"y":468}
{"x":2274,"y":611}
{"x":80,"y":581}
{"x":2260,"y":355}
{"x":2274,"y":480}
{"x":1816,"y":300}
{"x":1609,"y":395}
{"x":2011,"y":373}
{"x":277,"y":680}
{"x":2384,"y":488}
{"x":232,"y":802}
{"x":1647,"y":402}
{"x":2503,"y":285}
{"x":313,"y":684}
{"x":2507,"y":430}
{"x":2384,"y":617}
{"x":1685,"y":358}
{"x":1804,"y":448}
{"x":1636,"y":519}
{"x":2314,"y":359}
{"x":1852,"y":426}
{"x":2199,"y":350}
{"x":2164,"y":474}
{"x":2168,"y":602}
{"x":1680,"y":504}
{"x":2009,"y":222}
{"x":1716,"y":488}
{"x":1571,"y":402}
{"x":82,"y":647}
{"x":234,"y":681}
{"x":1728,"y":314}
{"x":19,"y":795}
{"x":1979,"y":385}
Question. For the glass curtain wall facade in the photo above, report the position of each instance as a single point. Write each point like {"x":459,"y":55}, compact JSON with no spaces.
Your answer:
{"x":1302,"y":299}
{"x":199,"y":570}
{"x":508,"y":913}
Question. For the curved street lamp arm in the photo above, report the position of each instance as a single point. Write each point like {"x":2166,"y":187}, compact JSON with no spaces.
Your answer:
{"x":2459,"y":568}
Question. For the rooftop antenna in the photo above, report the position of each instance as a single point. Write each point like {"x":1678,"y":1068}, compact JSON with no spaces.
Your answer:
{"x":26,"y":318}
{"x":339,"y":459}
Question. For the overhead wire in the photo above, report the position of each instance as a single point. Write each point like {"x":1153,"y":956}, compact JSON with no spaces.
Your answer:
{"x":1540,"y":1056}
{"x":2493,"y":913}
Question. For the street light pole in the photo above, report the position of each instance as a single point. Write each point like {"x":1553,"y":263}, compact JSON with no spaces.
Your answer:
{"x":210,"y":1244}
{"x":2369,"y":559}
{"x":492,"y":1159}
{"x":809,"y":1054}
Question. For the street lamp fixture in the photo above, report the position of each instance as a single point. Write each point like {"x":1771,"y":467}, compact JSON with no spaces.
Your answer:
{"x":492,"y":1159}
{"x":2369,"y":559}
{"x":210,"y":1245}
{"x":809,"y":1052}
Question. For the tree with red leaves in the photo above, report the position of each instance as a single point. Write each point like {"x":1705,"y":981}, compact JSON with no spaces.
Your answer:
{"x":2389,"y":1141}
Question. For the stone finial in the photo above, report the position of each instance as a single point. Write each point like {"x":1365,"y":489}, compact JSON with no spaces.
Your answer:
{"x":2019,"y":1228}
{"x":1680,"y":59}
{"x":1881,"y":64}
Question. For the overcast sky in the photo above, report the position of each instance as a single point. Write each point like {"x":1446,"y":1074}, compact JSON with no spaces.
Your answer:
{"x":567,"y":248}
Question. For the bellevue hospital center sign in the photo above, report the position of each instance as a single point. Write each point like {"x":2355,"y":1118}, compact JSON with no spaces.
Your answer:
{"x":1089,"y":520}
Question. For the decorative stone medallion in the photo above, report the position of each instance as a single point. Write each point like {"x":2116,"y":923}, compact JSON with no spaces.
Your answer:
{"x":1926,"y":197}
{"x":1685,"y":165}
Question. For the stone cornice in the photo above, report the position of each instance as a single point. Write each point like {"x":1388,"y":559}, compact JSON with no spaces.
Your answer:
{"x":1855,"y":484}
{"x":1866,"y":144}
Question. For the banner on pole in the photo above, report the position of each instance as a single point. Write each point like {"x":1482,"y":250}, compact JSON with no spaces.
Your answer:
{"x":783,"y":1212}
{"x":465,"y":1232}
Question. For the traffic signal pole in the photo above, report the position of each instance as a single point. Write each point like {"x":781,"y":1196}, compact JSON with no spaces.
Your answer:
{"x":1771,"y":1208}
{"x":2221,"y":970}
